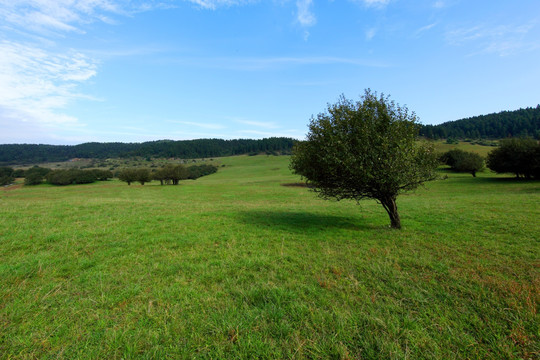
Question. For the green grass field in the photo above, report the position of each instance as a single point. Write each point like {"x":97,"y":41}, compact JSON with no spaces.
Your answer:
{"x":236,"y":266}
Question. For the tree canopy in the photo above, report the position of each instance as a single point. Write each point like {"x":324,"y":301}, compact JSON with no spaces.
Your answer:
{"x":365,"y":149}
{"x":463,"y":161}
{"x":520,"y":156}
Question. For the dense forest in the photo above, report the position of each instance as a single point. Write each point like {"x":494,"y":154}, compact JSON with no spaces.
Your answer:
{"x":186,"y":149}
{"x":517,"y":123}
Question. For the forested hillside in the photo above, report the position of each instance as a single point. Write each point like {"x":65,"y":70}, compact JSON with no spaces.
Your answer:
{"x":517,"y":123}
{"x":187,"y":149}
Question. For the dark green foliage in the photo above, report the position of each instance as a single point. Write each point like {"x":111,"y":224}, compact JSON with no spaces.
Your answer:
{"x":102,"y":175}
{"x":128,"y":175}
{"x":520,"y":156}
{"x":35,"y":175}
{"x":18,"y":173}
{"x":366,"y":149}
{"x":71,"y":176}
{"x":6,"y":175}
{"x":37,"y":170}
{"x":171,"y":174}
{"x":201,"y":148}
{"x":463,"y":161}
{"x":33,"y":179}
{"x":143,"y":175}
{"x":197,"y":171}
{"x":522,"y":122}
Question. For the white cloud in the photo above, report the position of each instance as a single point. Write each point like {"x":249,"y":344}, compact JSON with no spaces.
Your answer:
{"x":425,"y":28}
{"x":35,"y":84}
{"x":214,"y":4}
{"x":439,"y":4}
{"x":374,"y":3}
{"x":370,"y":34}
{"x":57,"y":15}
{"x":503,"y":40}
{"x":305,"y":16}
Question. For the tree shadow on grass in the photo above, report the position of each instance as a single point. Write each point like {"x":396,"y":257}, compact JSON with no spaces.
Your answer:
{"x":301,"y":222}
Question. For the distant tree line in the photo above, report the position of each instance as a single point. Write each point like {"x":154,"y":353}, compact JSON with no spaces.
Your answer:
{"x":518,"y":123}
{"x":186,"y":149}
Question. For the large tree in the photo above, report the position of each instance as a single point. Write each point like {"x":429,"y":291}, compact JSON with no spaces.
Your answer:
{"x":463,"y":161}
{"x":520,"y":156}
{"x":365,"y":149}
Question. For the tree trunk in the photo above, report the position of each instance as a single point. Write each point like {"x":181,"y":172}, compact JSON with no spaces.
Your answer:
{"x":390,"y":206}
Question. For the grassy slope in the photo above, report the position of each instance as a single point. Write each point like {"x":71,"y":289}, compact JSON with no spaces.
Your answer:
{"x":442,"y":146}
{"x":234,"y":265}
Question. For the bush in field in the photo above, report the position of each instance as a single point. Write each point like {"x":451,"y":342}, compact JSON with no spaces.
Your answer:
{"x":520,"y":156}
{"x":463,"y":161}
{"x":37,"y":170}
{"x":128,"y":175}
{"x":33,"y":179}
{"x":35,"y":175}
{"x":143,"y":175}
{"x":71,"y":176}
{"x":6,"y":175}
{"x":102,"y":175}
{"x":197,"y":171}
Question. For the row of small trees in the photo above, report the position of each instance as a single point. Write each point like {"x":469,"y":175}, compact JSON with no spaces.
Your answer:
{"x":169,"y":174}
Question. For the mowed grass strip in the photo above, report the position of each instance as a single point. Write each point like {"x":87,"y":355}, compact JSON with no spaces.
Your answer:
{"x":235,"y":265}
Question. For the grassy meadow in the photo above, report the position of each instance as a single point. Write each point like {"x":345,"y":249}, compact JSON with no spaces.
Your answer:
{"x":237,"y":266}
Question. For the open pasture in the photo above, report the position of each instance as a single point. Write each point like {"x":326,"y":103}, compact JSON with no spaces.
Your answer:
{"x":235,"y":265}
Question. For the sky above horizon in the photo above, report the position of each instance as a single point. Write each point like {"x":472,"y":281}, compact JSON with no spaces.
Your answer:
{"x":132,"y":71}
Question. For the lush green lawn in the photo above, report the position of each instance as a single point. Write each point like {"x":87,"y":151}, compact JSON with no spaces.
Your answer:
{"x":234,"y":265}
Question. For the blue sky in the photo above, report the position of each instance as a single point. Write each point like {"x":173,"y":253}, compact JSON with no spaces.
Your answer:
{"x":130,"y":71}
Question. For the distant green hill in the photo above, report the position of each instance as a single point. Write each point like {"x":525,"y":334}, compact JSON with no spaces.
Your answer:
{"x":517,"y":123}
{"x":186,"y":149}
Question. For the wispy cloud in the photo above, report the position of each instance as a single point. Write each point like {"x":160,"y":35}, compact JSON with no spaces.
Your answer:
{"x":269,"y":63}
{"x":503,"y":40}
{"x":373,"y":3}
{"x":424,"y":29}
{"x":199,"y":124}
{"x":370,"y":34}
{"x":214,"y":4}
{"x":439,"y":4}
{"x":35,"y":84}
{"x":265,"y":125}
{"x":305,"y":16}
